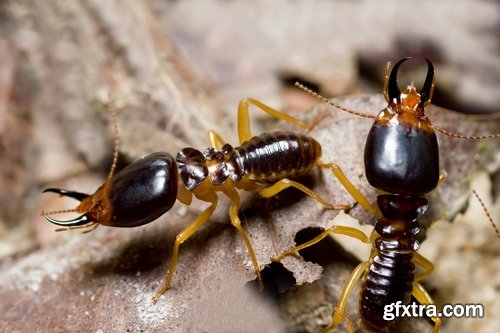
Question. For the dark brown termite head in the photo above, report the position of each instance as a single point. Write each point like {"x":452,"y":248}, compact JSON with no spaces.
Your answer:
{"x":401,"y":152}
{"x":137,"y":195}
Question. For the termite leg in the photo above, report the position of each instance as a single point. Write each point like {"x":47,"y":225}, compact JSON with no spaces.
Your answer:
{"x":244,"y":132}
{"x":442,"y":177}
{"x":184,"y":195}
{"x":215,"y":139}
{"x":353,"y":191}
{"x":424,"y":298}
{"x":336,"y":229}
{"x":181,"y":238}
{"x":349,"y":285}
{"x":426,"y":265}
{"x":286,"y":183}
{"x":236,"y":222}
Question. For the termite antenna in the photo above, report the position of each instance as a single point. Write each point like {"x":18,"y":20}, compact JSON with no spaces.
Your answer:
{"x":466,"y":137}
{"x":490,"y":218}
{"x":55,"y":212}
{"x":338,"y":106}
{"x":116,"y":134}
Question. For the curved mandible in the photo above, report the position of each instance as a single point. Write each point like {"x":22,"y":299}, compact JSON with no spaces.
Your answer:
{"x":72,"y":194}
{"x":392,"y":87}
{"x":426,"y":91}
{"x":80,"y":220}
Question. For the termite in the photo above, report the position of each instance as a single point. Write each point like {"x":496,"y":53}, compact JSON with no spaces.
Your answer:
{"x":401,"y":160}
{"x":149,"y":187}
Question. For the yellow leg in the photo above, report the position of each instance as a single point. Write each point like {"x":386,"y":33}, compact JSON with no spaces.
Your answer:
{"x":181,"y":238}
{"x":343,"y":230}
{"x":215,"y":139}
{"x":244,"y":132}
{"x":353,"y":191}
{"x":236,"y":222}
{"x":184,"y":195}
{"x":339,"y":311}
{"x":426,"y":264}
{"x":423,"y":297}
{"x":442,"y":177}
{"x":286,"y":183}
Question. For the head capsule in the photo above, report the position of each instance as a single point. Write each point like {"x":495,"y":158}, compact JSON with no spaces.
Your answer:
{"x":136,"y":195}
{"x":401,"y":152}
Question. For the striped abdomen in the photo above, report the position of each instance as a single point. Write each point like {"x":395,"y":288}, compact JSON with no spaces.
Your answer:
{"x":389,"y":279}
{"x":278,"y":155}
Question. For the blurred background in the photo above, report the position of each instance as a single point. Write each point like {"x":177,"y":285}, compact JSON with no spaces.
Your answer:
{"x":179,"y":68}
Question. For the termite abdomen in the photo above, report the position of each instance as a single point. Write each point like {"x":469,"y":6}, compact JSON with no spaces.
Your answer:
{"x":278,"y":155}
{"x":388,"y":281}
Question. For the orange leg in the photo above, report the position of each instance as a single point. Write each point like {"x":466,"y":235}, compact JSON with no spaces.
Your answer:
{"x":423,"y":297}
{"x":244,"y":132}
{"x":236,"y":222}
{"x":339,"y":311}
{"x":215,"y":139}
{"x":336,"y":229}
{"x":425,"y":263}
{"x":286,"y":183}
{"x":182,"y":237}
{"x":357,"y":273}
{"x":353,"y":191}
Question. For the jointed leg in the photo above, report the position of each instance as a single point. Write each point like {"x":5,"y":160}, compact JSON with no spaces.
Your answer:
{"x":342,"y":230}
{"x":286,"y":183}
{"x":442,"y":177}
{"x":244,"y":132}
{"x":349,"y":285}
{"x":353,"y":191}
{"x":181,"y":238}
{"x":235,"y":221}
{"x":423,"y":297}
{"x":425,"y":263}
{"x":215,"y":139}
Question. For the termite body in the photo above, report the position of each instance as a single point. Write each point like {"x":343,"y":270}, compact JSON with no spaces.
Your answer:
{"x":401,"y":159}
{"x":149,"y":187}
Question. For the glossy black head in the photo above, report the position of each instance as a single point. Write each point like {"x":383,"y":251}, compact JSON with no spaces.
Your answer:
{"x":144,"y":190}
{"x":137,"y":195}
{"x":401,"y":151}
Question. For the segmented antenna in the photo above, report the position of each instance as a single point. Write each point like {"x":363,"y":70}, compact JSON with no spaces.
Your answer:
{"x":467,"y":137}
{"x":116,"y":134}
{"x":365,"y":115}
{"x":338,"y":106}
{"x":490,"y":218}
{"x":113,"y":115}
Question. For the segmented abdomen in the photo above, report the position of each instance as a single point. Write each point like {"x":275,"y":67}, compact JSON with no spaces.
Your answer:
{"x":277,"y":155}
{"x":389,"y":279}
